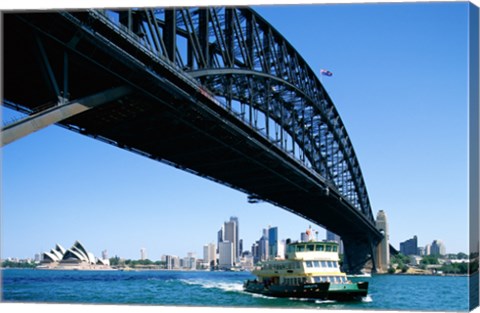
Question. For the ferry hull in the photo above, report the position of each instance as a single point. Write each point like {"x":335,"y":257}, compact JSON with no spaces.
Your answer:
{"x":348,"y":292}
{"x":320,"y":291}
{"x":310,"y":291}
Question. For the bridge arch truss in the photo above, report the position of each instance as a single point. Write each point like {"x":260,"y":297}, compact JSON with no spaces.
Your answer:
{"x":255,"y":73}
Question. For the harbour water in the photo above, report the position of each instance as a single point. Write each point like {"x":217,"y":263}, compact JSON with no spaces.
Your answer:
{"x":223,"y":289}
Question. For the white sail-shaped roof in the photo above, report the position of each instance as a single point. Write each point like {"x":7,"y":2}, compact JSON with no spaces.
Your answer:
{"x":50,"y":257}
{"x":60,"y":249}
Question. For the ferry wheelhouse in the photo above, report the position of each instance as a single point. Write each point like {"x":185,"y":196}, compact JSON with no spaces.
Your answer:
{"x":309,"y":270}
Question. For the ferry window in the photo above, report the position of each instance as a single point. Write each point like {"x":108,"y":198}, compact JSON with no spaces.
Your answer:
{"x":335,"y":264}
{"x":310,"y":247}
{"x":309,"y":263}
{"x":319,"y":248}
{"x":324,"y":264}
{"x":316,"y":264}
{"x":335,"y":248}
{"x":330,"y":264}
{"x":329,"y":248}
{"x":300,"y":248}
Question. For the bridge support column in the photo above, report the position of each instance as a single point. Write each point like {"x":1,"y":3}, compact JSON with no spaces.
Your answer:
{"x":358,"y":251}
{"x":55,"y":114}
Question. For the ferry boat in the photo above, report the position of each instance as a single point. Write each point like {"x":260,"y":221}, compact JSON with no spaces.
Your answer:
{"x":310,"y":270}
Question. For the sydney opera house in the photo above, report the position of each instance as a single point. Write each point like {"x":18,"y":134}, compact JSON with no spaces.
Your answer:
{"x":75,"y":258}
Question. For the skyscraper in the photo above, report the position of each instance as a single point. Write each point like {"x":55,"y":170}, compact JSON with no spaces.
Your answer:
{"x":219,"y":237}
{"x":272,"y":242}
{"x":209,"y":254}
{"x":263,"y":247}
{"x":226,"y":255}
{"x":143,"y":254}
{"x":238,"y":251}
{"x":437,"y":248}
{"x":383,"y":248}
{"x":230,"y":233}
{"x":409,"y":247}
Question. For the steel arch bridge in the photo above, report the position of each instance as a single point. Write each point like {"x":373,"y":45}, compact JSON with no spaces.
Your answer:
{"x":221,"y":85}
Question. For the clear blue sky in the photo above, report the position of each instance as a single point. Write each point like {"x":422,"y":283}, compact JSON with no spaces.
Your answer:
{"x":399,"y":84}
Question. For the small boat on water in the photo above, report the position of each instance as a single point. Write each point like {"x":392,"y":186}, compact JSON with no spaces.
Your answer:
{"x":310,"y":270}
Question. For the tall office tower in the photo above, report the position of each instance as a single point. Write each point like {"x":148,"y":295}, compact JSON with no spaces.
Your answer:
{"x":409,"y":247}
{"x":263,"y":248}
{"x":219,"y":237}
{"x":171,"y":262}
{"x":240,"y":247}
{"x":143,"y":254}
{"x":383,"y":248}
{"x":437,"y":248}
{"x":255,"y":252}
{"x":272,"y":242}
{"x":209,"y":254}
{"x":428,"y":249}
{"x":421,"y":251}
{"x":230,"y":232}
{"x":238,"y":251}
{"x":226,"y":255}
{"x":282,"y":245}
{"x":104,"y":254}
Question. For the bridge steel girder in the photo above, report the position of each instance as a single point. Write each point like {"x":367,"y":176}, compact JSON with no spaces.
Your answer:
{"x":57,"y":113}
{"x":234,"y":88}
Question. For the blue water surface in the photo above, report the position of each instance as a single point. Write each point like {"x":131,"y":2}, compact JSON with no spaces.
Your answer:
{"x":196,"y":288}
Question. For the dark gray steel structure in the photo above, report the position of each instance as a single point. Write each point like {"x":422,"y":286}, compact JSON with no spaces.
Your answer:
{"x":214,"y":91}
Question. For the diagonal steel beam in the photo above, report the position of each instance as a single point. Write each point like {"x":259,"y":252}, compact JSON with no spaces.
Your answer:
{"x":52,"y":115}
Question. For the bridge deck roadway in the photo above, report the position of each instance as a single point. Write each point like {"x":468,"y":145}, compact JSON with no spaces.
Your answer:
{"x":167,"y":118}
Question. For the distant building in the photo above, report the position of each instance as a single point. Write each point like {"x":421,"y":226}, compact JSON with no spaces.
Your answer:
{"x":143,"y":254}
{"x":263,"y":247}
{"x":172,"y":262}
{"x":230,"y":233}
{"x":428,"y":249}
{"x":219,"y":237}
{"x":282,"y":246}
{"x":246,"y":261}
{"x":383,"y":248}
{"x":105,"y":255}
{"x":272,"y":242}
{"x":238,"y":250}
{"x":77,"y":257}
{"x":409,"y":247}
{"x":226,"y":255}
{"x":255,"y":252}
{"x":304,"y":237}
{"x":421,"y":251}
{"x":189,"y":262}
{"x":210,"y":255}
{"x":437,"y":248}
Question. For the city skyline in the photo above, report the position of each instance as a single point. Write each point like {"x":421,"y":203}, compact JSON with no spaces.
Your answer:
{"x":55,"y":178}
{"x":270,"y":232}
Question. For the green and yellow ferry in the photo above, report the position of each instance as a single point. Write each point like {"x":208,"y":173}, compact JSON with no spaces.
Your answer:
{"x":310,"y":270}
